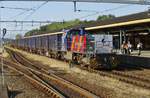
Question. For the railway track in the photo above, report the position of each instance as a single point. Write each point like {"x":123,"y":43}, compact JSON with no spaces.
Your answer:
{"x":133,"y":79}
{"x":120,"y":75}
{"x":64,"y":87}
{"x":34,"y":80}
{"x":123,"y":76}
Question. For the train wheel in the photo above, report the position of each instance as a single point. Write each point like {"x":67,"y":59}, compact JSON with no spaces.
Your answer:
{"x":79,"y":59}
{"x":114,"y":61}
{"x":59,"y":56}
{"x":93,"y":63}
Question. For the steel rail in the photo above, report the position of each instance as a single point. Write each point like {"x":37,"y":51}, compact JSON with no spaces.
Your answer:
{"x":124,"y":77}
{"x":49,"y":91}
{"x":43,"y":86}
{"x":44,"y":73}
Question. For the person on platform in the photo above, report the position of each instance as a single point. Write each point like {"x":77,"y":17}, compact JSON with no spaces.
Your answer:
{"x":124,"y":47}
{"x":139,"y":47}
{"x":129,"y":47}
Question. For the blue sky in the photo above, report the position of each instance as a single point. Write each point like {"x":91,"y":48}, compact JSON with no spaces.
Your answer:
{"x":58,"y":11}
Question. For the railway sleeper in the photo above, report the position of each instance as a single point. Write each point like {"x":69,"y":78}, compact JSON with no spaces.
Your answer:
{"x":122,"y":79}
{"x":45,"y":90}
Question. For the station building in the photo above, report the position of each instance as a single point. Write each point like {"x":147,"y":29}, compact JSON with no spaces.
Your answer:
{"x":133,"y":28}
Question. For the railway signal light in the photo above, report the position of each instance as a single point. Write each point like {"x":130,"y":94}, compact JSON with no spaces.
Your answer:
{"x":4,"y":32}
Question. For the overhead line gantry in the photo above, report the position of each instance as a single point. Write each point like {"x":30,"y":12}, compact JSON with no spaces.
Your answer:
{"x":142,"y":2}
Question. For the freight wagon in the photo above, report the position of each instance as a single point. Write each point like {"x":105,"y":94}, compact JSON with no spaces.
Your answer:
{"x":76,"y":45}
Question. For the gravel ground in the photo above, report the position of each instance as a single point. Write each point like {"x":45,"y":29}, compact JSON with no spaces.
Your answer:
{"x":99,"y":84}
{"x":142,"y":72}
{"x":117,"y":89}
{"x":17,"y":82}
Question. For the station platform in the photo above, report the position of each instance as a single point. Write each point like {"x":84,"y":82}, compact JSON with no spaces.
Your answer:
{"x":3,"y":91}
{"x":142,"y":60}
{"x":143,"y":53}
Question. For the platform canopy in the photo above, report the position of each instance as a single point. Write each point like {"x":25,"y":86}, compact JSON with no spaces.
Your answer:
{"x":142,"y":2}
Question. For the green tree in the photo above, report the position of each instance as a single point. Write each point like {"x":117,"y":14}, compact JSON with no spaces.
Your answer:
{"x":32,"y":32}
{"x":105,"y":17}
{"x":58,"y":26}
{"x":43,"y":28}
{"x":18,"y":36}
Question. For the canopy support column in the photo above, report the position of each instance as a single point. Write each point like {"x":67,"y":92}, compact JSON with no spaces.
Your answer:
{"x":120,"y":38}
{"x":124,"y":36}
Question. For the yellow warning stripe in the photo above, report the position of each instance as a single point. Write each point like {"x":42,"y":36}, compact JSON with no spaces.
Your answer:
{"x":119,"y":24}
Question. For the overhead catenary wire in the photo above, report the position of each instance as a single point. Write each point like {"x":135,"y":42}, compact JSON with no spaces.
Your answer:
{"x":99,"y":12}
{"x":17,"y":30}
{"x":20,"y":21}
{"x":28,"y":10}
{"x":95,"y":12}
{"x":21,"y":30}
{"x":22,"y":13}
{"x":86,"y":11}
{"x":16,"y":8}
{"x":37,"y":8}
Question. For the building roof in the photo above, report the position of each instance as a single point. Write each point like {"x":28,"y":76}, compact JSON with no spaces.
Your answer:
{"x":136,"y":18}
